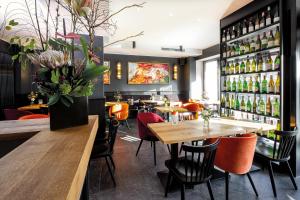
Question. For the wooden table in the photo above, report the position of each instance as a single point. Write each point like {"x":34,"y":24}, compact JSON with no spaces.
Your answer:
{"x":168,"y":109}
{"x":33,"y":107}
{"x":187,"y":131}
{"x":159,"y":102}
{"x":50,"y":165}
{"x":111,"y":103}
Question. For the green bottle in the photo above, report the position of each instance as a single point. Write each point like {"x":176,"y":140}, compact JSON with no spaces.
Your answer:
{"x":233,"y":86}
{"x":269,"y":63}
{"x":264,"y":85}
{"x":249,"y":105}
{"x":253,"y":65}
{"x":237,"y":48}
{"x":271,"y":40}
{"x":242,"y":67}
{"x":237,"y":103}
{"x":227,"y":68}
{"x":227,"y":103}
{"x":245,"y":85}
{"x":243,"y":105}
{"x":242,"y":48}
{"x":232,"y":103}
{"x":276,"y":108}
{"x":224,"y":85}
{"x":231,"y":68}
{"x":240,"y":85}
{"x":258,"y":44}
{"x":222,"y":101}
{"x":228,"y":84}
{"x":256,"y":85}
{"x":237,"y":67}
{"x":252,"y":45}
{"x":277,"y":37}
{"x":277,"y":63}
{"x":248,"y":65}
{"x":250,"y":85}
{"x":247,"y":47}
{"x":254,"y":105}
{"x":264,"y":41}
{"x":262,"y":106}
{"x":260,"y":64}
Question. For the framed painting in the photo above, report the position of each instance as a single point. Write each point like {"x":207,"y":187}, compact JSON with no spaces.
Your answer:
{"x":140,"y":73}
{"x":106,"y":75}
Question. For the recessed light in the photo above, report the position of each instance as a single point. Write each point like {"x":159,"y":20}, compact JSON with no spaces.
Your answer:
{"x":171,"y":14}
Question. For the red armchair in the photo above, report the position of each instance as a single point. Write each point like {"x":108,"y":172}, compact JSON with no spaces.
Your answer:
{"x":14,"y":114}
{"x":34,"y":116}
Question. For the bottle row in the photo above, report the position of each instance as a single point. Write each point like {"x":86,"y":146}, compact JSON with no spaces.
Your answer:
{"x":260,"y":20}
{"x":258,"y":106}
{"x":247,"y":84}
{"x":255,"y":44}
{"x":258,"y":63}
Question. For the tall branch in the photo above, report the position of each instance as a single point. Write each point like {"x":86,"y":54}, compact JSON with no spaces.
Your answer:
{"x":137,"y":35}
{"x":38,"y":25}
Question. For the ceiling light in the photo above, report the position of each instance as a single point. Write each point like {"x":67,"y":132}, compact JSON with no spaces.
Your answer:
{"x":171,"y":14}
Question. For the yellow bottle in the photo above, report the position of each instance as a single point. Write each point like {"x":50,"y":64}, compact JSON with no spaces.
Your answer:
{"x":277,"y":85}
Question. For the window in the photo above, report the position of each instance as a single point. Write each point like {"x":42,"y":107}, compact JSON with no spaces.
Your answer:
{"x":211,"y":79}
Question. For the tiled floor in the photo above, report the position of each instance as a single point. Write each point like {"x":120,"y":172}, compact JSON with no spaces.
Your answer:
{"x":136,"y":177}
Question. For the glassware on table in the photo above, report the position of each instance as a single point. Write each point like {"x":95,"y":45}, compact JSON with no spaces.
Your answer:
{"x":174,"y":118}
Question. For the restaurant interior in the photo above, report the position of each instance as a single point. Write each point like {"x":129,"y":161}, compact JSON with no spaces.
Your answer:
{"x":133,"y":99}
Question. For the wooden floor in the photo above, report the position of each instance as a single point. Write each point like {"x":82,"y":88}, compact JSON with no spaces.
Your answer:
{"x":137,"y":180}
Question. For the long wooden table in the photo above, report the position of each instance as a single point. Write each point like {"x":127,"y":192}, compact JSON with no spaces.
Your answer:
{"x":49,"y":165}
{"x":168,"y":109}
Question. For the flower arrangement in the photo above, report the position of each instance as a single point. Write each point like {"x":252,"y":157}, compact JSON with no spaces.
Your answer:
{"x":206,"y":114}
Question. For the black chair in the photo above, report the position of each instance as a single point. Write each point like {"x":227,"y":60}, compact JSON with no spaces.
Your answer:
{"x":194,"y":168}
{"x":104,"y":149}
{"x":279,"y":153}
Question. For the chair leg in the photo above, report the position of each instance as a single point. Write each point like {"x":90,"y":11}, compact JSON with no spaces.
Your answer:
{"x":110,"y":171}
{"x":168,"y":184}
{"x":181,"y":147}
{"x":127,"y":124}
{"x":272,"y":178}
{"x":210,"y":190}
{"x":139,"y":147}
{"x":182,"y":192}
{"x":227,"y":185}
{"x":291,"y":175}
{"x":252,"y":184}
{"x":169,"y":148}
{"x":112,"y":162}
{"x":154,"y":152}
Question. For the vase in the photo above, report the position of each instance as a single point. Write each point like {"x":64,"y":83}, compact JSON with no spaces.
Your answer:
{"x":206,"y":123}
{"x":62,"y":116}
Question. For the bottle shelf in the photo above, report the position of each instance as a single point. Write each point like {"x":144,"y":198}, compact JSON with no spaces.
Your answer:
{"x":255,"y":93}
{"x":247,"y":73}
{"x":253,"y":33}
{"x":252,"y":113}
{"x":267,"y":50}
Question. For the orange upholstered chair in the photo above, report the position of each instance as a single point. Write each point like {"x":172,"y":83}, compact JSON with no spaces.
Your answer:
{"x":235,"y":155}
{"x":120,"y":111}
{"x":33,"y":116}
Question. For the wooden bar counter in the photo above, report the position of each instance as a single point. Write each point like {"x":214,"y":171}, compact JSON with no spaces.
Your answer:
{"x":49,"y":165}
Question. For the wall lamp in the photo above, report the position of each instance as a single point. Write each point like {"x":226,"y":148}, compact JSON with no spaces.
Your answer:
{"x":119,"y":70}
{"x":175,"y":72}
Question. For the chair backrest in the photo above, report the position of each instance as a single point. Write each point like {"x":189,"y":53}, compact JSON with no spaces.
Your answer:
{"x":34,"y":116}
{"x":199,"y":162}
{"x":143,"y":119}
{"x":14,"y":114}
{"x":282,"y":147}
{"x":235,"y":154}
{"x":112,"y":132}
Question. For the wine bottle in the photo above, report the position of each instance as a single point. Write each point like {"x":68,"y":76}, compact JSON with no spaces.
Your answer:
{"x":264,"y":85}
{"x":262,"y":106}
{"x":224,"y":49}
{"x":247,"y":46}
{"x":238,"y":31}
{"x":227,"y":103}
{"x":233,"y":33}
{"x":251,"y":25}
{"x":228,"y":35}
{"x":268,"y":18}
{"x":222,"y":101}
{"x":277,"y":62}
{"x":224,"y":85}
{"x":224,"y":36}
{"x":271,"y":40}
{"x":248,"y":65}
{"x":243,"y":105}
{"x":245,"y":29}
{"x":232,"y":51}
{"x":271,"y":86}
{"x":276,"y":15}
{"x":260,"y":64}
{"x":277,"y":84}
{"x":242,"y":48}
{"x":253,"y":65}
{"x":268,"y":107}
{"x":231,"y":68}
{"x":249,"y":105}
{"x":276,"y":108}
{"x":254,"y":105}
{"x":237,"y":67}
{"x":227,"y":68}
{"x":228,"y":84}
{"x":252,"y":45}
{"x":269,"y":63}
{"x":277,"y":37}
{"x":257,"y":23}
{"x":250,"y":86}
{"x":262,"y":21}
{"x":233,"y":86}
{"x":237,"y":103}
{"x":242,"y":67}
{"x":258,"y":43}
{"x":240,"y":85}
{"x":232,"y":102}
{"x":264,"y":41}
{"x":245,"y":85}
{"x":256,"y":85}
{"x":228,"y":51}
{"x":237,"y":48}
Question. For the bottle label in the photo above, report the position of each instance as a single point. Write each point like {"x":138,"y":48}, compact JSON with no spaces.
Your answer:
{"x":277,"y":66}
{"x":252,"y":45}
{"x":271,"y":89}
{"x":261,"y":25}
{"x":244,"y":30}
{"x":268,"y":21}
{"x":276,"y":19}
{"x":228,"y":37}
{"x":224,"y":54}
{"x":277,"y":42}
{"x":268,"y":66}
{"x":256,"y":26}
{"x":270,"y":44}
{"x":251,"y":28}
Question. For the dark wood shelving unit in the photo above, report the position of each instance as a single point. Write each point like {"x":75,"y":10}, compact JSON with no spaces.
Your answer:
{"x":255,"y":52}
{"x":270,"y":116}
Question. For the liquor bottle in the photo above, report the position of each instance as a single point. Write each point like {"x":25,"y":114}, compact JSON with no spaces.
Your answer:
{"x":224,"y":36}
{"x":233,"y":86}
{"x":256,"y":85}
{"x":223,"y":68}
{"x":228,"y":35}
{"x":268,"y":18}
{"x":254,"y":105}
{"x":277,"y":37}
{"x":264,"y":41}
{"x":238,"y":31}
{"x":250,"y":85}
{"x":252,"y":45}
{"x":227,"y":103}
{"x":224,"y":85}
{"x":271,"y":85}
{"x":240,"y":85}
{"x":271,"y":40}
{"x":232,"y":102}
{"x":224,"y":50}
{"x":277,"y":84}
{"x":269,"y":63}
{"x":245,"y":29}
{"x":222,"y":101}
{"x":262,"y":21}
{"x":251,"y":25}
{"x":243,"y":105}
{"x":245,"y":85}
{"x":228,"y":84}
{"x":228,"y":51}
{"x":253,"y":65}
{"x":276,"y":15}
{"x":268,"y":107}
{"x":232,"y":51}
{"x":242,"y":67}
{"x":231,"y":68}
{"x":237,"y":67}
{"x":237,"y":48}
{"x":257,"y":23}
{"x":277,"y":62}
{"x":242,"y":48}
{"x":227,"y":68}
{"x":249,"y":105}
{"x":237,"y":103}
{"x":260,"y":64}
{"x":247,"y":46}
{"x":262,"y":106}
{"x":248,"y":65}
{"x":258,"y":43}
{"x":264,"y":85}
{"x":233,"y":33}
{"x":276,"y":108}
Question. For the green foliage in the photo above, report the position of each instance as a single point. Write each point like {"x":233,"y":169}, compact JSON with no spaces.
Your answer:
{"x":55,"y":76}
{"x":61,"y":45}
{"x":65,"y":88}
